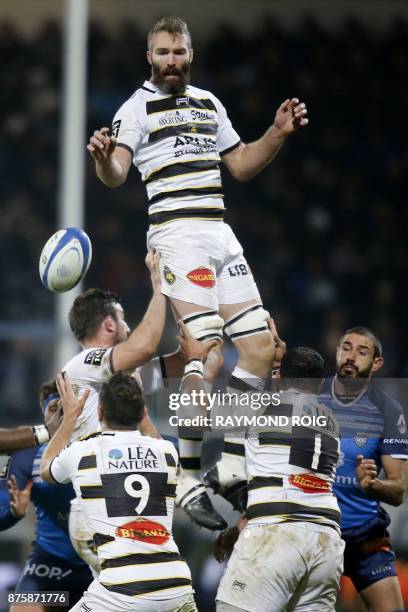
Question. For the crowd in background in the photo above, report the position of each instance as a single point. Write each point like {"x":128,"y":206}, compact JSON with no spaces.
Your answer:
{"x":323,"y":228}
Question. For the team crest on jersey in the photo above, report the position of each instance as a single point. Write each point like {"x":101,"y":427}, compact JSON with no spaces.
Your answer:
{"x":95,"y":357}
{"x":144,"y":530}
{"x":169,"y":276}
{"x":360,"y":440}
{"x":116,"y":128}
{"x":203,"y":277}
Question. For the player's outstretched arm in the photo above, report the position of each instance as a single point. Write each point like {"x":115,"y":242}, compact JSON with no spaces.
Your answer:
{"x":112,"y":163}
{"x":142,"y":343}
{"x":22,"y":437}
{"x":245,"y":161}
{"x":392,"y":488}
{"x":72,"y":408}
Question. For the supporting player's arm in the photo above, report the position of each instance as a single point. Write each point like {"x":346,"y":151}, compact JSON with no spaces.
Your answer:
{"x":142,"y":343}
{"x":246,"y":160}
{"x":22,"y":437}
{"x":72,"y":408}
{"x":112,"y":163}
{"x":392,"y":488}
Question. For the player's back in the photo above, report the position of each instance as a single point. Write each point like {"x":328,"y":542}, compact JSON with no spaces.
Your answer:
{"x":89,"y":369}
{"x":126,"y":485}
{"x":291,"y":469}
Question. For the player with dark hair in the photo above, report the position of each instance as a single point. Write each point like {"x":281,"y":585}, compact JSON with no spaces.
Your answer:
{"x":373,"y":438}
{"x":290,"y":554}
{"x":52,"y":564}
{"x":126,"y":484}
{"x":177,"y":134}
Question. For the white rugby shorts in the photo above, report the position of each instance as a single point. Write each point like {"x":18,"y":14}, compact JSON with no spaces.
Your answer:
{"x":283,"y":567}
{"x":99,"y":599}
{"x":202,"y":263}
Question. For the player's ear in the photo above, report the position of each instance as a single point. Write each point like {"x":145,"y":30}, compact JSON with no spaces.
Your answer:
{"x":100,"y":413}
{"x":191,"y":55}
{"x":110,"y":324}
{"x":149,"y":56}
{"x":377,"y":364}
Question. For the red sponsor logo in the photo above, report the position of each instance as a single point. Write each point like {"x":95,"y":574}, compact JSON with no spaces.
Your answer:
{"x":144,"y":530}
{"x":203,"y":277}
{"x":309,"y":483}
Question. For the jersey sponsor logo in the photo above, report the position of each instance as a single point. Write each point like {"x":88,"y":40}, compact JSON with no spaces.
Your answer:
{"x":144,"y":530}
{"x":402,"y":427}
{"x":203,"y":277}
{"x":184,"y":101}
{"x":116,"y":128}
{"x":169,"y":276}
{"x":309,"y":483}
{"x":131,"y":458}
{"x":172,"y":118}
{"x":202,"y":115}
{"x":95,"y":357}
{"x":360,"y":440}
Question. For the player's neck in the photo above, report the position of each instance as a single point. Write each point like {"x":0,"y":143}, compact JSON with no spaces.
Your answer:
{"x":98,"y":342}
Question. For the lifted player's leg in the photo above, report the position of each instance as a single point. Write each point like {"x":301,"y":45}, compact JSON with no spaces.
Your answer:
{"x":203,"y":324}
{"x":247,"y":326}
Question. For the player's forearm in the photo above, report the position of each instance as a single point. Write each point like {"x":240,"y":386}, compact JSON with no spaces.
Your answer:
{"x":58,"y":441}
{"x":255,"y":156}
{"x":142,"y":343}
{"x":110,"y":172}
{"x":16,"y":439}
{"x":388,"y":491}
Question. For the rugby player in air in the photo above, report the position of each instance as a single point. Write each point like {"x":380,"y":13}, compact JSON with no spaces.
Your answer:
{"x":177,"y":134}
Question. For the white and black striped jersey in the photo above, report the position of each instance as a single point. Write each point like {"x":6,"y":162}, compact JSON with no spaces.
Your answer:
{"x":89,"y":369}
{"x":176,"y":142}
{"x":125,"y":484}
{"x":291,"y":469}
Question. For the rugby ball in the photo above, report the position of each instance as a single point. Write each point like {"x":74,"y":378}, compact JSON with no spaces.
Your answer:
{"x":65,"y":259}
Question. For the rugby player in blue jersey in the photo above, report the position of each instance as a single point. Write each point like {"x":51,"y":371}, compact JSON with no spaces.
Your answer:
{"x":373,"y":438}
{"x":52,"y":564}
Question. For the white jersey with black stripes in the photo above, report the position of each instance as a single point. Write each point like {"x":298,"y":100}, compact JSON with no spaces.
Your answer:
{"x":291,"y":463}
{"x":125,"y":484}
{"x":176,"y":142}
{"x":89,"y":369}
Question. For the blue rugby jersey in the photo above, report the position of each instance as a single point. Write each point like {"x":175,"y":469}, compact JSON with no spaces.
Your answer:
{"x":372,"y":425}
{"x":52,"y":504}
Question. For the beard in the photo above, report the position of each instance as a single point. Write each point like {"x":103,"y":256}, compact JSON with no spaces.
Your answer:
{"x":355,"y":380}
{"x":175,"y":85}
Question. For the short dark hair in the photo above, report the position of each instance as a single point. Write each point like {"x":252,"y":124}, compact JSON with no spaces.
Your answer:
{"x":89,"y":311}
{"x":360,"y":330}
{"x":122,"y":401}
{"x":46,"y":389}
{"x":305,"y":365}
{"x":172,"y":25}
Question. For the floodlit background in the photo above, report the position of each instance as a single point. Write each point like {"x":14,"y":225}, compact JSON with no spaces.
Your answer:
{"x":323,"y":228}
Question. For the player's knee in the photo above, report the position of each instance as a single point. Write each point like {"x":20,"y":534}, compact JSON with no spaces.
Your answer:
{"x":249,"y":330}
{"x":204,"y":325}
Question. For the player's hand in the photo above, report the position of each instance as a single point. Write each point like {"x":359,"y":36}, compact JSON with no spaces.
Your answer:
{"x":290,"y":116}
{"x":225,"y":541}
{"x":190,"y":348}
{"x":153,"y":263}
{"x":101,"y":145}
{"x":280,"y":345}
{"x":213,"y":363}
{"x":71,"y":405}
{"x":366,"y":472}
{"x":19,"y":498}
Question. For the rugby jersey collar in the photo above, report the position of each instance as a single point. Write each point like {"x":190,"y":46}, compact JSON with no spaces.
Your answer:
{"x":338,"y":401}
{"x":152,"y":88}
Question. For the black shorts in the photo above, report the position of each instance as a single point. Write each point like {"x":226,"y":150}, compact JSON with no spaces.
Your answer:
{"x":369,"y":559}
{"x":46,"y":572}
